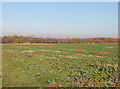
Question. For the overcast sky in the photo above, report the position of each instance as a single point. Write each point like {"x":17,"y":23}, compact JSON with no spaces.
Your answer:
{"x":60,"y":19}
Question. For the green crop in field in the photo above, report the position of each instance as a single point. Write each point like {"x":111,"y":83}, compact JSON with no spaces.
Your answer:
{"x":83,"y":65}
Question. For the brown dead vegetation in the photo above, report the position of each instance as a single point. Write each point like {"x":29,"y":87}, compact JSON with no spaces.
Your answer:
{"x":15,"y":39}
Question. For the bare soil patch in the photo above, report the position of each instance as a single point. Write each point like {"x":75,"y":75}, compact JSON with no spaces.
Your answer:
{"x":71,"y":57}
{"x":84,"y":50}
{"x":81,"y":54}
{"x":28,"y":51}
{"x":43,"y":50}
{"x":109,"y":47}
{"x":98,"y":56}
{"x":10,"y":51}
{"x":2,"y":52}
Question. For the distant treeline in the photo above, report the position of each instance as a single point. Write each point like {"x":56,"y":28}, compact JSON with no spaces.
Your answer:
{"x":27,"y":39}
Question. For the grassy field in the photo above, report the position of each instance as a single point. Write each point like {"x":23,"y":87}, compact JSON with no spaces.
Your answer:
{"x":63,"y":65}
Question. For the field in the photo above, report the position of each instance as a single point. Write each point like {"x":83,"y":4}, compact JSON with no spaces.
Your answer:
{"x":59,"y":65}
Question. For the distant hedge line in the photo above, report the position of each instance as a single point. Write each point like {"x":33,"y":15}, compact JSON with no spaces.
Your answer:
{"x":26,"y":39}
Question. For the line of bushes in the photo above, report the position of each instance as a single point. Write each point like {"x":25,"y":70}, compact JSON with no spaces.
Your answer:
{"x":27,"y":39}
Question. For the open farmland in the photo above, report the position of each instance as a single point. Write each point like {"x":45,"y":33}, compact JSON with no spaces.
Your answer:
{"x":63,"y":65}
